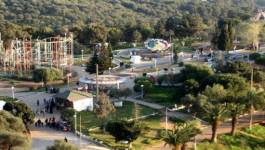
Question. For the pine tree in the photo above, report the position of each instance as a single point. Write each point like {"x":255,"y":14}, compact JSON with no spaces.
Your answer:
{"x":91,"y":66}
{"x":104,"y":58}
{"x":226,"y":34}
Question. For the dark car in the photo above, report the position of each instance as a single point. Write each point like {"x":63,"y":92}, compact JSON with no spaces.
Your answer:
{"x":64,"y":126}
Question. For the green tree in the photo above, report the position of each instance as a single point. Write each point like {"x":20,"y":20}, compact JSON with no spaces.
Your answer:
{"x":250,"y":34}
{"x":47,"y":74}
{"x":62,"y":145}
{"x":96,"y":33}
{"x":255,"y":100}
{"x":104,"y":108}
{"x":115,"y":36}
{"x":105,"y":57}
{"x":211,"y":101}
{"x":91,"y":65}
{"x":146,"y":82}
{"x":102,"y":56}
{"x":236,"y":103}
{"x":137,"y":36}
{"x":124,"y":130}
{"x":181,"y":134}
{"x":13,"y":134}
{"x":21,"y":110}
{"x":191,"y":86}
{"x":196,"y":72}
{"x":160,"y":30}
{"x":225,"y":34}
{"x":187,"y":25}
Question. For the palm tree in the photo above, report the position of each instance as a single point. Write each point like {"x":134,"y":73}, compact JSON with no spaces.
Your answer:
{"x":211,"y":101}
{"x":181,"y":134}
{"x":255,"y":100}
{"x":236,"y":104}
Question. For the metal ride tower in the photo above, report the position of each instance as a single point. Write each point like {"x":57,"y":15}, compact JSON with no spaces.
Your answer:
{"x":23,"y":55}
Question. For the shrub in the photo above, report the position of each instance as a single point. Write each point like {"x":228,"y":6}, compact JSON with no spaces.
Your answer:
{"x":146,"y":141}
{"x":67,"y":114}
{"x":260,"y":60}
{"x":146,"y":82}
{"x":124,"y":130}
{"x":254,"y":56}
{"x":47,"y":74}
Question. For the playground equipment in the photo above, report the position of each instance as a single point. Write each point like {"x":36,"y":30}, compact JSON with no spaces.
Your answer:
{"x":24,"y":55}
{"x":157,"y":45}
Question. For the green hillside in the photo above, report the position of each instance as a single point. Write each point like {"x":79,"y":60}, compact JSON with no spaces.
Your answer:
{"x":55,"y":13}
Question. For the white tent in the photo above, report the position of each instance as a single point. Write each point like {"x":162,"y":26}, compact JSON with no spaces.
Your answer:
{"x":2,"y":104}
{"x":77,"y":100}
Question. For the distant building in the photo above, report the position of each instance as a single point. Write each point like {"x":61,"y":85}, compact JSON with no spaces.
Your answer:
{"x":76,"y":99}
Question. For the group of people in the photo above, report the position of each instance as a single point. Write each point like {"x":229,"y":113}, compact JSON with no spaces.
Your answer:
{"x":49,"y":122}
{"x":48,"y":106}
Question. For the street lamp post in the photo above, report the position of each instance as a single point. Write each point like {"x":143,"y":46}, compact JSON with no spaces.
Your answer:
{"x":82,"y":54}
{"x":166,"y":119}
{"x":75,"y":121}
{"x":142,"y":91}
{"x":155,"y":62}
{"x":109,"y":70}
{"x":13,"y":93}
{"x":86,"y":87}
{"x":195,"y":143}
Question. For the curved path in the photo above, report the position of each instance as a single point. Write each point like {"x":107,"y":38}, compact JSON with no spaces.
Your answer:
{"x":225,"y":127}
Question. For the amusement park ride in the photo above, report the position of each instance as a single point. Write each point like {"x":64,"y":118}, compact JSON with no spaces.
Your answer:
{"x":24,"y":55}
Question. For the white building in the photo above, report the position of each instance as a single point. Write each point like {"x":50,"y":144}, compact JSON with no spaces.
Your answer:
{"x":136,"y":59}
{"x":76,"y":99}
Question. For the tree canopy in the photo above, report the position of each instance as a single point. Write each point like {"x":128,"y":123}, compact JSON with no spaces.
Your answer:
{"x":13,"y":133}
{"x":62,"y":145}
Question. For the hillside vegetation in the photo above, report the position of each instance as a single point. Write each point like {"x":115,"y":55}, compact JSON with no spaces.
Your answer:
{"x":55,"y":13}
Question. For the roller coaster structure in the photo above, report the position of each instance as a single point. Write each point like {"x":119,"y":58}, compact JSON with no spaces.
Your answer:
{"x":24,"y":55}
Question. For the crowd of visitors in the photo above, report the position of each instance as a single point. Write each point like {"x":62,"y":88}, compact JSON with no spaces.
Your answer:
{"x":45,"y":108}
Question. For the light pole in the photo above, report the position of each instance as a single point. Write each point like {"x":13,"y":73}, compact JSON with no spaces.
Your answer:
{"x":142,"y":91}
{"x":109,"y":70}
{"x":75,"y":122}
{"x":86,"y":87}
{"x":155,"y":61}
{"x":195,"y":143}
{"x":13,"y":93}
{"x":80,"y":130}
{"x":166,"y":119}
{"x":82,"y":54}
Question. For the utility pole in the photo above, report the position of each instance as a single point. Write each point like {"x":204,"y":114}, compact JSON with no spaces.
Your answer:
{"x":75,"y":126}
{"x":171,"y":57}
{"x":80,"y":131}
{"x":97,"y":82}
{"x":166,"y":120}
{"x":251,"y":103}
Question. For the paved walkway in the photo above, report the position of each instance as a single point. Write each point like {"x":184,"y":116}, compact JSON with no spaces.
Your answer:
{"x":43,"y":137}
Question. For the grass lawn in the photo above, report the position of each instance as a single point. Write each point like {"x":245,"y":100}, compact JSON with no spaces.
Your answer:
{"x":90,"y":120}
{"x":244,"y":140}
{"x":148,"y":137}
{"x":164,"y":95}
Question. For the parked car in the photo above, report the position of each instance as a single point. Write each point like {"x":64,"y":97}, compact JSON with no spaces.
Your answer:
{"x":64,"y":126}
